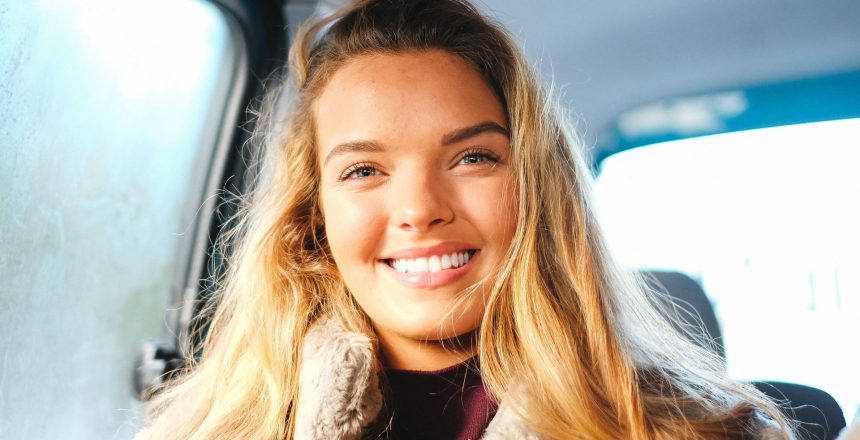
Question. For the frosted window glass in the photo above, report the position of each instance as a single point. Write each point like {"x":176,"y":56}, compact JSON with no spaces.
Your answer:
{"x":106,"y":111}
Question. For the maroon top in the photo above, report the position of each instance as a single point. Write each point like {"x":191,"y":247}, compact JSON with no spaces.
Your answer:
{"x":449,"y":404}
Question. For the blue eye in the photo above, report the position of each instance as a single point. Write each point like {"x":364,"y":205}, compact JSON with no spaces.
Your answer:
{"x":475,"y":157}
{"x":359,"y":171}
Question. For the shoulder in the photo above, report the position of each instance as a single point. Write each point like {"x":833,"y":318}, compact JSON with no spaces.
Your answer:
{"x":769,"y":429}
{"x":507,"y":425}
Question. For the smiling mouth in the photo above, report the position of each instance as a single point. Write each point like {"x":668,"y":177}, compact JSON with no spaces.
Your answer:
{"x":433,"y":263}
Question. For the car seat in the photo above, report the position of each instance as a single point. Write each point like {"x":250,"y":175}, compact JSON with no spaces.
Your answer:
{"x":690,"y":308}
{"x":818,"y":414}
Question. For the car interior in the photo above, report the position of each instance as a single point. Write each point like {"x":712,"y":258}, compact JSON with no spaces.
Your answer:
{"x":723,"y":137}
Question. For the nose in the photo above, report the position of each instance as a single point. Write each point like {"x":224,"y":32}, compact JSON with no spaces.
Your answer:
{"x":420,"y":201}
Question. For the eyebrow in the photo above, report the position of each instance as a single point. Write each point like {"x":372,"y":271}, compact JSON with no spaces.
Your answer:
{"x":462,"y":134}
{"x":354,"y":146}
{"x":452,"y":137}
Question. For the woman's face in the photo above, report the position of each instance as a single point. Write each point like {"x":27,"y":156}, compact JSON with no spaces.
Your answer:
{"x":417,"y":191}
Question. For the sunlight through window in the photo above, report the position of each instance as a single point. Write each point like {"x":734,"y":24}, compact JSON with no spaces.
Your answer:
{"x":769,"y":222}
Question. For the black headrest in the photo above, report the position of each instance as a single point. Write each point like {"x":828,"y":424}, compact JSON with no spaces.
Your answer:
{"x":690,"y":306}
{"x":817,"y":412}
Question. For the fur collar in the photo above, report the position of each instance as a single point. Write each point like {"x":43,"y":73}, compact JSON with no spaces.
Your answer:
{"x":339,"y":390}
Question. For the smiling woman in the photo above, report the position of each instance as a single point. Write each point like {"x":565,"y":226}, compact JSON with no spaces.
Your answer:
{"x":420,"y":259}
{"x":433,"y":201}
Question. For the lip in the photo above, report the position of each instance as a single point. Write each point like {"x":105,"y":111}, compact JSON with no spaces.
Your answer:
{"x":429,"y":280}
{"x":446,"y":247}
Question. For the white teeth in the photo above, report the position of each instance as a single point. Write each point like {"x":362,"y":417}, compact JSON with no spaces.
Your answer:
{"x":421,"y":265}
{"x":445,"y":261}
{"x":434,"y":263}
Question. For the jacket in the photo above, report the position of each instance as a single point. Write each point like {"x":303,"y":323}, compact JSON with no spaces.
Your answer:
{"x":339,"y":390}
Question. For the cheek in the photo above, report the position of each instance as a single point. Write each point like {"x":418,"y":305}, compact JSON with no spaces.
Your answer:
{"x":493,"y":209}
{"x":353,"y":229}
{"x":508,"y":210}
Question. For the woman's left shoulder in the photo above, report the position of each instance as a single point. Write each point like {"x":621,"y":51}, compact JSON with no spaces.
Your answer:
{"x":769,"y":429}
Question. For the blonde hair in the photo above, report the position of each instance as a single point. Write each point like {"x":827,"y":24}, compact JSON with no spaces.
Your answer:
{"x":571,"y":342}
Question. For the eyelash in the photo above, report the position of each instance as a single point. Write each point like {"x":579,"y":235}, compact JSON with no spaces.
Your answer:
{"x":356,"y":168}
{"x":477,"y":152}
{"x":484,"y":155}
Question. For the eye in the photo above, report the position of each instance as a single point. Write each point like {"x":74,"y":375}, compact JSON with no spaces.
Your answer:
{"x":477,"y":156}
{"x":359,"y":171}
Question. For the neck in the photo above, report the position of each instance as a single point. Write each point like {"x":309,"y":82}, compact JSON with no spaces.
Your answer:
{"x":401,"y":353}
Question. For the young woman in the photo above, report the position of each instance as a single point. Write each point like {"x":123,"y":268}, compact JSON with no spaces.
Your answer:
{"x":420,"y":259}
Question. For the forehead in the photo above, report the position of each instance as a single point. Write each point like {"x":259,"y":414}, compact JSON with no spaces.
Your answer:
{"x":392,"y":98}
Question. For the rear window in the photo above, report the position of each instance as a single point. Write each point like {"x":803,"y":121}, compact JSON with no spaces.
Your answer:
{"x":768,"y":222}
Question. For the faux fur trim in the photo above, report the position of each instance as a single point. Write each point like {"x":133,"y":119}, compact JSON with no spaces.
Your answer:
{"x":507,"y":425}
{"x":339,"y":391}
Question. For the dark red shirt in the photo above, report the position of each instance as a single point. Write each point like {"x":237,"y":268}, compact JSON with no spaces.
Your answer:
{"x":449,"y":404}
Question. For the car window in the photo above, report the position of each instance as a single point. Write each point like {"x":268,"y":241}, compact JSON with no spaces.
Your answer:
{"x":767,"y":221}
{"x":109,"y":112}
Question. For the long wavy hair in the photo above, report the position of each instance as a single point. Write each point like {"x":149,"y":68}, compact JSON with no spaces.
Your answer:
{"x":571,"y":342}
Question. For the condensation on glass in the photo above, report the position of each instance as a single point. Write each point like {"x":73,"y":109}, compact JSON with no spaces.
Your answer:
{"x":108,"y":113}
{"x":768,"y":221}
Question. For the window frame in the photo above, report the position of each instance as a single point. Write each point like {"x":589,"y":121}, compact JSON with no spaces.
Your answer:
{"x":259,"y":41}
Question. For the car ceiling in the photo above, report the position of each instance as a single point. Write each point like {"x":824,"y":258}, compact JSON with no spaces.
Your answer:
{"x":606,"y":57}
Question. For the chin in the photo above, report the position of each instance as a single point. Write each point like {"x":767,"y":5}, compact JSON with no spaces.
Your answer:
{"x":439,"y":325}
